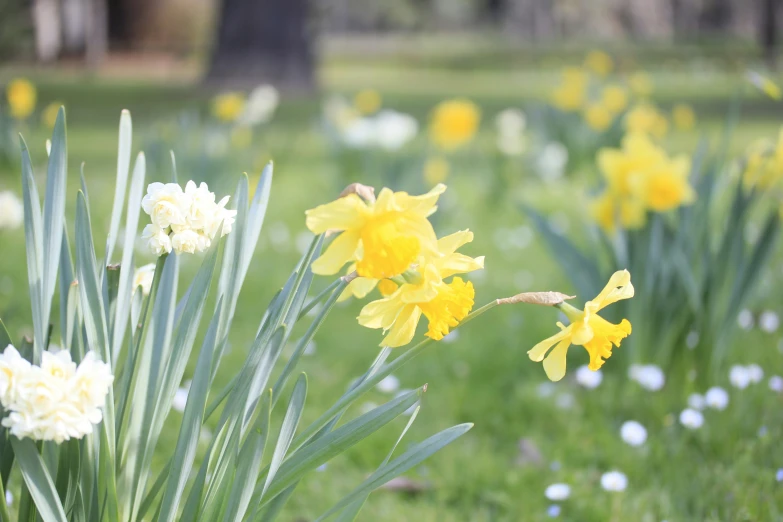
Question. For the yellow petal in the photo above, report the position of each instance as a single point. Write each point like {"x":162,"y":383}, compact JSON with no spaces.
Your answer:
{"x":358,"y":288}
{"x":618,"y":288}
{"x":423,"y":205}
{"x":449,"y":244}
{"x":340,"y":214}
{"x":460,"y":264}
{"x":341,"y":251}
{"x":538,"y":352}
{"x":381,"y":313}
{"x":555,"y":363}
{"x":404,"y":327}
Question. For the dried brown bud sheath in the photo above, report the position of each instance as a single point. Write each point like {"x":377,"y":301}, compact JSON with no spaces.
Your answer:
{"x":538,"y":298}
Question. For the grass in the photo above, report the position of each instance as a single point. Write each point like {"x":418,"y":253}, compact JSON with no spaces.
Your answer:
{"x":724,"y":471}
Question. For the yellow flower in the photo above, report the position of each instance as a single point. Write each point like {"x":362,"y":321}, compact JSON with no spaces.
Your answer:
{"x":21,"y":97}
{"x":620,"y":166}
{"x":436,"y":170}
{"x":640,"y":84}
{"x":764,"y":84}
{"x":49,"y":114}
{"x":614,"y":98}
{"x":608,"y":210}
{"x":228,"y":106}
{"x":598,"y":117}
{"x":665,"y":186}
{"x":454,"y":123}
{"x":426,"y":293}
{"x":572,"y":92}
{"x":683,"y":116}
{"x":645,"y":118}
{"x":599,"y":62}
{"x":387,"y":287}
{"x":587,"y":329}
{"x":383,"y":237}
{"x":367,"y":101}
{"x":764,"y":163}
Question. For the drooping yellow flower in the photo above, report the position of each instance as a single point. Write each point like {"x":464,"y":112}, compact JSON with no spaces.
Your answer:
{"x":382,"y":237}
{"x":367,"y":101}
{"x":683,"y":116}
{"x":598,"y":117}
{"x":645,"y":118}
{"x":426,"y":293}
{"x":599,"y":62}
{"x":21,"y":96}
{"x":228,"y":106}
{"x":436,"y":170}
{"x":587,"y":329}
{"x":641,"y":84}
{"x":49,"y":114}
{"x":614,"y":98}
{"x":454,"y":123}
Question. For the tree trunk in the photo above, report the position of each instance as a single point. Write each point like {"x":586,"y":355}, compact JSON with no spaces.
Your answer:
{"x":263,"y":41}
{"x":97,"y":33}
{"x":768,"y":31}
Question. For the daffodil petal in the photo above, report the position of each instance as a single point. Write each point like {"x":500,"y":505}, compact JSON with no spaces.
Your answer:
{"x":381,"y":313}
{"x":404,"y":327}
{"x":340,"y":214}
{"x":358,"y":288}
{"x":538,"y":352}
{"x":342,"y":250}
{"x":424,"y":204}
{"x":555,"y":362}
{"x":618,"y":288}
{"x":461,"y":264}
{"x":449,"y":244}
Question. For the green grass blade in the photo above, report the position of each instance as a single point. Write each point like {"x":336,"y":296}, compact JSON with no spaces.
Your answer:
{"x":38,"y":481}
{"x":123,"y":167}
{"x":33,"y":235}
{"x":288,"y":428}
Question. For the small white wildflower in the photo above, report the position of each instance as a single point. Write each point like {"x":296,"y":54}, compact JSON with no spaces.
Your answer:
{"x":565,"y":401}
{"x":553,"y":511}
{"x":739,"y":377}
{"x":546,"y":389}
{"x":11,"y":210}
{"x":9,"y":498}
{"x":511,"y":121}
{"x":779,"y":475}
{"x":451,"y":337}
{"x":716,"y":398}
{"x":633,"y":433}
{"x":552,"y":161}
{"x":755,"y":373}
{"x":367,"y":407}
{"x":769,"y":321}
{"x":692,"y":339}
{"x":143,"y":277}
{"x":649,"y":376}
{"x":558,"y":492}
{"x":588,"y":378}
{"x":389,"y":384}
{"x":260,"y":106}
{"x":614,"y":481}
{"x":745,"y":319}
{"x":696,"y":401}
{"x":394,"y":129}
{"x":309,"y":348}
{"x":691,"y":419}
{"x":180,"y":399}
{"x":776,"y":383}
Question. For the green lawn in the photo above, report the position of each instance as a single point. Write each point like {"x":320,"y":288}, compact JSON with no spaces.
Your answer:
{"x":724,"y":471}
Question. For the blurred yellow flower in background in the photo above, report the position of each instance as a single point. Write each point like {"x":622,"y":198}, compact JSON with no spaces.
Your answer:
{"x":764,"y":163}
{"x":598,"y":117}
{"x":454,"y":123}
{"x":571,"y":94}
{"x":49,"y":114}
{"x":599,"y":62}
{"x":683,"y":116}
{"x":665,"y":186}
{"x":645,"y":118}
{"x":21,"y":96}
{"x":764,"y":84}
{"x":436,"y":170}
{"x":614,"y":98}
{"x":228,"y":106}
{"x":609,"y":210}
{"x":367,"y":101}
{"x":641,"y":84}
{"x":587,"y":329}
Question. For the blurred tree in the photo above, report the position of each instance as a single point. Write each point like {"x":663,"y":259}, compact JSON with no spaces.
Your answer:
{"x":263,"y":41}
{"x":768,"y":31}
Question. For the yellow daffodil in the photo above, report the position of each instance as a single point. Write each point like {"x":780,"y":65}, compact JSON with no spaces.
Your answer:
{"x":382,"y":237}
{"x":228,"y":106}
{"x":21,"y":95}
{"x":49,"y":114}
{"x":598,"y":117}
{"x":587,"y":329}
{"x":665,"y":186}
{"x":609,"y":210}
{"x":645,"y":118}
{"x":367,"y":101}
{"x":454,"y":123}
{"x":764,"y":163}
{"x":436,"y":170}
{"x":641,"y":84}
{"x":425,"y":292}
{"x":614,"y":98}
{"x":683,"y":116}
{"x":599,"y":62}
{"x":765,"y":85}
{"x":620,"y":166}
{"x":572,"y":92}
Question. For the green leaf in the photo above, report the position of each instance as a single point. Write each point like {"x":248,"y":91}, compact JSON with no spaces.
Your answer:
{"x":5,"y":338}
{"x":288,"y":428}
{"x":38,"y":481}
{"x":123,"y":166}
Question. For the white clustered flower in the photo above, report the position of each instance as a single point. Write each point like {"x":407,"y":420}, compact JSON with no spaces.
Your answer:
{"x":614,"y":481}
{"x":649,"y":376}
{"x":260,"y":105}
{"x":691,"y":419}
{"x":633,"y":433}
{"x":388,"y":130}
{"x":739,"y":376}
{"x":776,"y":383}
{"x":56,"y":401}
{"x":588,"y":378}
{"x":143,"y":277}
{"x":185,"y":221}
{"x":716,"y":398}
{"x":511,"y":127}
{"x":11,"y":210}
{"x":696,"y":401}
{"x":557,"y":492}
{"x":769,"y":321}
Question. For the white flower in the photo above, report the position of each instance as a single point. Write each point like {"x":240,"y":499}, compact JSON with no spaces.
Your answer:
{"x":143,"y":277}
{"x":776,"y":383}
{"x":157,"y":239}
{"x":691,"y":419}
{"x":588,"y":378}
{"x":755,"y":373}
{"x":201,"y":212}
{"x":553,"y":511}
{"x":180,"y":399}
{"x":510,"y":121}
{"x":558,"y":492}
{"x":692,"y":339}
{"x":739,"y":376}
{"x":633,"y":433}
{"x":11,"y":210}
{"x":260,"y":105}
{"x":769,"y":321}
{"x":649,"y":376}
{"x":394,"y":129}
{"x":716,"y":398}
{"x":745,"y":319}
{"x":696,"y":401}
{"x":614,"y":481}
{"x":359,"y":133}
{"x":189,"y":242}
{"x":552,"y":161}
{"x":511,"y":144}
{"x":12,"y":367}
{"x":166,"y":204}
{"x":388,"y":384}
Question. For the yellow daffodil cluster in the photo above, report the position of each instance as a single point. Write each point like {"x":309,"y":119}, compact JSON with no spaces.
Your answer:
{"x":764,"y":163}
{"x":640,"y":177}
{"x":454,"y":123}
{"x":587,"y":329}
{"x":21,"y":96}
{"x":390,"y":243}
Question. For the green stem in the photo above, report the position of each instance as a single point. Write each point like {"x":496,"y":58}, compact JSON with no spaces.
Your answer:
{"x":5,"y":516}
{"x":317,"y":299}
